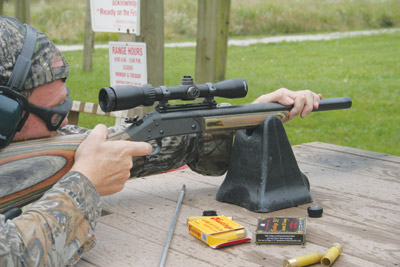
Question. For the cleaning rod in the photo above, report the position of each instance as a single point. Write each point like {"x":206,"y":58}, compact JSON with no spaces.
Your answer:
{"x":172,"y":227}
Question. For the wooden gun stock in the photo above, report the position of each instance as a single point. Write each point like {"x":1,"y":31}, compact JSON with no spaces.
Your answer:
{"x":30,"y":168}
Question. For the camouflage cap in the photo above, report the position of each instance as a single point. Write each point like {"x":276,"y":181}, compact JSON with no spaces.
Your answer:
{"x":48,"y":64}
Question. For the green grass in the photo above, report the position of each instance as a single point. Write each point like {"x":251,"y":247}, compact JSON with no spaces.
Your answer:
{"x":64,"y":20}
{"x":364,"y":68}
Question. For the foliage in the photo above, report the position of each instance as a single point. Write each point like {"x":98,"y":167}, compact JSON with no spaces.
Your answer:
{"x":63,"y":21}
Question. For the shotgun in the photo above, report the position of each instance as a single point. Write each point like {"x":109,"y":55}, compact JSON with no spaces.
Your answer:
{"x":28,"y":169}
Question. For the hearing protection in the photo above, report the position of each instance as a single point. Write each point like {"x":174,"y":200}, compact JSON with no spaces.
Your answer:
{"x":14,"y":107}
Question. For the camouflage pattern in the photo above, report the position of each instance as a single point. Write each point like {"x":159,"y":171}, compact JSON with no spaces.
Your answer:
{"x":47,"y":66}
{"x":207,"y":154}
{"x":57,"y":229}
{"x":64,"y":221}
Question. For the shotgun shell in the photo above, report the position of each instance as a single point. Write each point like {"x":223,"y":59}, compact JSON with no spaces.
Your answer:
{"x":332,"y":254}
{"x":304,"y":260}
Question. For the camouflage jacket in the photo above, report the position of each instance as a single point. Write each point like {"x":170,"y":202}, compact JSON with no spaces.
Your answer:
{"x":57,"y":229}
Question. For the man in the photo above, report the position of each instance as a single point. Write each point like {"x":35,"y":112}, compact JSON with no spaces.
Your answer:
{"x":57,"y":229}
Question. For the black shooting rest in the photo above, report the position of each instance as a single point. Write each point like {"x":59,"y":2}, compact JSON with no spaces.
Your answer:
{"x":263,"y":174}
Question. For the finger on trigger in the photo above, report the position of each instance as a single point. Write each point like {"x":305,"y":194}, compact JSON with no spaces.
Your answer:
{"x":132,"y":148}
{"x":141,"y":148}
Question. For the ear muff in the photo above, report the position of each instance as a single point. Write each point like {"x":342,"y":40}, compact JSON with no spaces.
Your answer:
{"x":14,"y":107}
{"x":14,"y":111}
{"x":10,"y":118}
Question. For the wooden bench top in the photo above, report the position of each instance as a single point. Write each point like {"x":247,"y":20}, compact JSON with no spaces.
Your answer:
{"x":359,"y":191}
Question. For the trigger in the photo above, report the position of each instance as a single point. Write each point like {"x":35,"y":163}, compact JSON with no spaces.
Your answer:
{"x":158,"y":148}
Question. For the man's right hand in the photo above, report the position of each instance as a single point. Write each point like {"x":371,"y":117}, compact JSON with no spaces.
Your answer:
{"x":107,"y":164}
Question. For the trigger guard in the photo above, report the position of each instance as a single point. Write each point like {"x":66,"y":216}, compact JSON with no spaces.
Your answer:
{"x":158,"y":148}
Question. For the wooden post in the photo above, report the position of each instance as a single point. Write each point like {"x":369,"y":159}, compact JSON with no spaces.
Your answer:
{"x":1,"y":7}
{"x":212,"y":40}
{"x":22,"y":11}
{"x":87,"y":64}
{"x":151,"y":33}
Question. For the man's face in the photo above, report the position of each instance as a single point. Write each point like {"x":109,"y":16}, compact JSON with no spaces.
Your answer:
{"x":47,"y":95}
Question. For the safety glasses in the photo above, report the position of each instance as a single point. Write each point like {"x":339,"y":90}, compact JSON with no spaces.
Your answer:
{"x":54,"y":116}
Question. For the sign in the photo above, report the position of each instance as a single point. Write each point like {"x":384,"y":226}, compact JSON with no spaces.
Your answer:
{"x":115,"y":16}
{"x":128,"y":64}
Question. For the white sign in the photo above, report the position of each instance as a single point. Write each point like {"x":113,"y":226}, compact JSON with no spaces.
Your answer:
{"x":128,"y":64}
{"x":115,"y":16}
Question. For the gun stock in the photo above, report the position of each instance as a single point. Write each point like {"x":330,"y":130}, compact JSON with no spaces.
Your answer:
{"x":28,"y":169}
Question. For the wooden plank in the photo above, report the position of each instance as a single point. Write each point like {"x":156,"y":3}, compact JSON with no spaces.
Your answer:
{"x":186,"y":250}
{"x":203,"y":195}
{"x":352,"y":206}
{"x":360,"y":212}
{"x":200,"y":250}
{"x":375,"y":201}
{"x":192,"y":247}
{"x":149,"y":217}
{"x":122,"y":248}
{"x":349,"y":162}
{"x":355,"y":151}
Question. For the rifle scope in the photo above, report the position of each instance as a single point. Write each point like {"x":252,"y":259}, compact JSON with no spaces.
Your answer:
{"x":128,"y":96}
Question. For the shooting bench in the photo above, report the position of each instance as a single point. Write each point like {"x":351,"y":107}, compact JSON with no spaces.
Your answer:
{"x":358,"y":190}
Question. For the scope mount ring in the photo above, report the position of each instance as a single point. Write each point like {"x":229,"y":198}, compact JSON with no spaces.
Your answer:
{"x":166,"y":93}
{"x":212,"y":90}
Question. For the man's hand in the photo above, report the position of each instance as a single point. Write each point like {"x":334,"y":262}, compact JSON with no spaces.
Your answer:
{"x":303,"y":101}
{"x":107,"y":164}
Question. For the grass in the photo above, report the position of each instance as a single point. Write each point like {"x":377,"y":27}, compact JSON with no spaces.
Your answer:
{"x":64,"y":20}
{"x":364,"y":68}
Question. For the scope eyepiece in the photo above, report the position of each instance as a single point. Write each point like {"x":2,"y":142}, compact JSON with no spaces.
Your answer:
{"x":127,"y":97}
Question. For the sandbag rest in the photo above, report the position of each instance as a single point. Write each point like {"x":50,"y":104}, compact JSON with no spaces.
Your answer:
{"x":263,"y":174}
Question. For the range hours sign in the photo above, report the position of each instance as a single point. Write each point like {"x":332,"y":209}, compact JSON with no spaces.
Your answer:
{"x":128,"y":65}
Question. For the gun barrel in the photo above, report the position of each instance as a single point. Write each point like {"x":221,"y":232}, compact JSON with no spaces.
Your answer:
{"x":324,"y":105}
{"x":334,"y":103}
{"x":158,"y":125}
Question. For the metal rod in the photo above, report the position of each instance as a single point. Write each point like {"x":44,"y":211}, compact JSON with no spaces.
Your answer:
{"x":172,"y":227}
